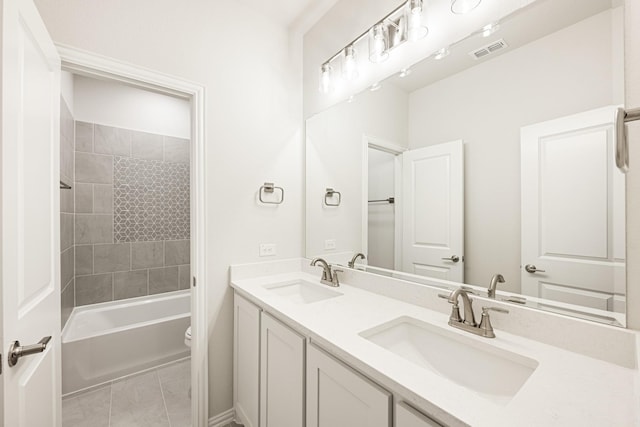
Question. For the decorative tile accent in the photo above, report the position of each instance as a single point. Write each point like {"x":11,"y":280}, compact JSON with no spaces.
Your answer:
{"x":151,"y":200}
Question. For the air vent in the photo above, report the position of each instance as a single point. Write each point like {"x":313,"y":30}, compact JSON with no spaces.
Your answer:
{"x":488,"y":49}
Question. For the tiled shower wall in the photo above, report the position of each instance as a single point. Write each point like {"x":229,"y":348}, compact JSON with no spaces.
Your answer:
{"x":131,"y":213}
{"x":66,"y":212}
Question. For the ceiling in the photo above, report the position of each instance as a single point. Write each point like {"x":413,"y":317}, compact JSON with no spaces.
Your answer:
{"x":301,"y":14}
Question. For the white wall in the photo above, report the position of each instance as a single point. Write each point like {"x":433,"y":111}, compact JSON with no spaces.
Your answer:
{"x":253,"y":125}
{"x":381,"y":227}
{"x":334,"y":152}
{"x":116,"y":104}
{"x":66,"y":89}
{"x":564,"y":73}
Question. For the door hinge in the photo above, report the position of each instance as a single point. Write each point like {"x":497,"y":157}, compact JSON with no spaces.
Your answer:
{"x":0,"y":364}
{"x":194,"y":282}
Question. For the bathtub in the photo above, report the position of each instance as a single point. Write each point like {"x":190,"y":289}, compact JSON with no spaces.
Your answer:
{"x":103,"y":342}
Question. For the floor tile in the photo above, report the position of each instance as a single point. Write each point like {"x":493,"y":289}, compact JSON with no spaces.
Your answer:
{"x":137,"y":401}
{"x":87,"y":410}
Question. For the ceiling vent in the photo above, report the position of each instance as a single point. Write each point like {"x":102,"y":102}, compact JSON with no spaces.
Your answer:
{"x":488,"y":49}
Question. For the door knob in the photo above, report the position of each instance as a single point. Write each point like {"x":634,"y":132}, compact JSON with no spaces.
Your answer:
{"x":530,"y":268}
{"x":16,"y":351}
{"x":452,"y":258}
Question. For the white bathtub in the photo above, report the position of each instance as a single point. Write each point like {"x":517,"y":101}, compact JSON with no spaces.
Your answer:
{"x":102,"y":342}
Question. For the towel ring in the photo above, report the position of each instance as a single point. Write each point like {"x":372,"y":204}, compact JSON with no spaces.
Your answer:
{"x":270,"y":188}
{"x":330,"y":192}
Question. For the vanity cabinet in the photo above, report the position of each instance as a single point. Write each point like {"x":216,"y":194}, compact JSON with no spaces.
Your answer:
{"x":281,"y":375}
{"x":246,"y":361}
{"x":406,"y":416}
{"x":337,"y":396}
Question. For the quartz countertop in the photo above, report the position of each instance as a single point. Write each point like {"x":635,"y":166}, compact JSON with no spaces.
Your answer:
{"x":566,"y":388}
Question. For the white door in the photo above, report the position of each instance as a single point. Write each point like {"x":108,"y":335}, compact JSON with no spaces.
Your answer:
{"x":433,"y":211}
{"x":337,"y":396}
{"x":281,"y":375}
{"x":573,"y":210}
{"x":30,"y":215}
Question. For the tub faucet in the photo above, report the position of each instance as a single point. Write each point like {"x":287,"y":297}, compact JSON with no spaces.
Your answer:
{"x":329,"y":275}
{"x":497,"y":278}
{"x":352,"y":263}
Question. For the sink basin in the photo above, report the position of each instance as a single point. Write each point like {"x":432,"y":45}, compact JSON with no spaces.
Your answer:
{"x":491,"y":372}
{"x":302,"y":292}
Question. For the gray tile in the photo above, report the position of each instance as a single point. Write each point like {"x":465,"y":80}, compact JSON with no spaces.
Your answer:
{"x":84,"y":259}
{"x":66,"y":157}
{"x":163,"y":280}
{"x":94,"y":168}
{"x":111,"y":140}
{"x":146,"y":146}
{"x":111,"y":257}
{"x":89,"y":409}
{"x":147,"y":255}
{"x":176,"y":252}
{"x":94,"y":289}
{"x":94,"y":228}
{"x":84,"y":137}
{"x":176,"y":150}
{"x":184,"y":276}
{"x":84,"y":198}
{"x":103,"y":198}
{"x":66,"y":195}
{"x":138,"y":401}
{"x":130,"y":284}
{"x":66,"y":231}
{"x":175,"y":380}
{"x":66,"y":267}
{"x":67,"y":300}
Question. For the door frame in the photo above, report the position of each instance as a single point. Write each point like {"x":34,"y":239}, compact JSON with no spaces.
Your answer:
{"x":395,"y":149}
{"x":92,"y":65}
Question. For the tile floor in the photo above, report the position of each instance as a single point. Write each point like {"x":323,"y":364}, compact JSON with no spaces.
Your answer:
{"x":159,"y":397}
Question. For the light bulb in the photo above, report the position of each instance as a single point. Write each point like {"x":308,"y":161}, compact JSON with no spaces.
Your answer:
{"x":374,"y":87}
{"x":416,"y":30}
{"x":463,"y":6}
{"x":442,"y":53}
{"x":404,"y":72}
{"x":350,"y":66}
{"x":378,"y":42}
{"x":325,"y":78}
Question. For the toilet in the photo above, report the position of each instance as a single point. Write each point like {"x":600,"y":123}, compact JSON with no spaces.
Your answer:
{"x":187,"y":337}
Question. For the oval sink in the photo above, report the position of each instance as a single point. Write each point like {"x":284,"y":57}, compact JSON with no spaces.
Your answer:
{"x":302,"y":292}
{"x":491,"y":372}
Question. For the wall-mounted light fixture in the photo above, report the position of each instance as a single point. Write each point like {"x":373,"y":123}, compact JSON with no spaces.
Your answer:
{"x":405,"y":22}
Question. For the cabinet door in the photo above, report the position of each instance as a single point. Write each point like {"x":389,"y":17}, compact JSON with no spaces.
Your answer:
{"x":281,"y":375}
{"x":406,"y":416}
{"x":337,"y":396}
{"x":246,"y":357}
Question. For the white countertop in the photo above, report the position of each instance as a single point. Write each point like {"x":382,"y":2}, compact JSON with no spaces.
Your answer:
{"x":566,"y":388}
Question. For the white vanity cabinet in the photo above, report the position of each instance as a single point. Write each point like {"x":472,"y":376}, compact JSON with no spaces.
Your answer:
{"x":406,"y":416}
{"x":337,"y":396}
{"x":246,"y":361}
{"x":281,"y":375}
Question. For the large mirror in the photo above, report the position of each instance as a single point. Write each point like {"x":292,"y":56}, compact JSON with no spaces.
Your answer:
{"x":498,"y":159}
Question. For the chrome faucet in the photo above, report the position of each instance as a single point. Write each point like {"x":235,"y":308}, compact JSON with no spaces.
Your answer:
{"x":497,"y":278}
{"x":329,"y":274}
{"x":352,"y":263}
{"x":468,"y":323}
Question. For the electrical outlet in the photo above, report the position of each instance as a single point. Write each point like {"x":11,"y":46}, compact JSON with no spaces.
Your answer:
{"x":267,"y":249}
{"x":329,"y":244}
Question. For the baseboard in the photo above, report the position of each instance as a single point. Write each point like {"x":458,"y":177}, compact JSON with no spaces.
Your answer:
{"x":222,"y":419}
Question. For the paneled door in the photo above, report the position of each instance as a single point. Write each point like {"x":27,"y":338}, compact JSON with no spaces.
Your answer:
{"x":433,"y":211}
{"x":30,"y":230}
{"x":573,"y":238}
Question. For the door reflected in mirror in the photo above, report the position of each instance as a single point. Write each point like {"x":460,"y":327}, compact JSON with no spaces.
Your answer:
{"x":470,"y":167}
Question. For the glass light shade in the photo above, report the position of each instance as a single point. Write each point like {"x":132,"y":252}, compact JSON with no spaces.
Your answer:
{"x":349,"y":64}
{"x":463,"y":6}
{"x":416,"y":30}
{"x":379,"y":43}
{"x":325,"y":78}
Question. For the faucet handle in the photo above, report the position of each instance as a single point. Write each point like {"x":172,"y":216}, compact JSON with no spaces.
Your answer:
{"x":485,"y":310}
{"x":443,"y":296}
{"x":485,"y":322}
